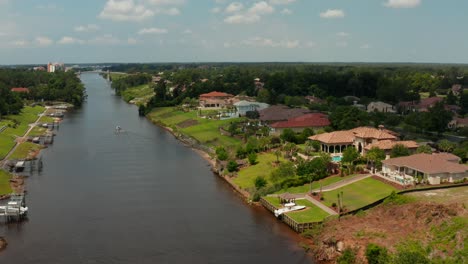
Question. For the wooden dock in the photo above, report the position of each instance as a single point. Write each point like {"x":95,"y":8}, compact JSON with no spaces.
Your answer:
{"x":14,"y":210}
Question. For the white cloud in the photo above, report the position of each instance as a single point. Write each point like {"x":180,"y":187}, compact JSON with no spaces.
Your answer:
{"x":125,"y":10}
{"x":343,"y":34}
{"x":174,"y":11}
{"x":270,"y":43}
{"x":106,"y":39}
{"x":402,"y":3}
{"x":166,"y":2}
{"x":70,"y":40}
{"x":365,"y":46}
{"x":43,"y":41}
{"x":252,"y":15}
{"x":146,"y":31}
{"x":20,"y":43}
{"x":282,"y":2}
{"x":332,"y":13}
{"x":87,"y":28}
{"x":234,"y":7}
{"x":311,"y":44}
{"x":286,"y":11}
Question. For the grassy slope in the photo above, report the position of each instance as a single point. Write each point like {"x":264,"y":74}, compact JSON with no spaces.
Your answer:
{"x":137,"y":92}
{"x":4,"y":182}
{"x":23,"y":150}
{"x":359,"y":194}
{"x":245,"y":178}
{"x":7,"y":138}
{"x":206,"y":131}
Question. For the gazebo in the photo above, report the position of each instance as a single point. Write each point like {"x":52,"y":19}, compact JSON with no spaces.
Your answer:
{"x":287,"y":198}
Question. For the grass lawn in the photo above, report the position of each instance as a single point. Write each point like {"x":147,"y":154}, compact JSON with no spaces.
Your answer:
{"x":311,"y":214}
{"x":46,"y":119}
{"x":315,"y":185}
{"x":23,"y":150}
{"x":245,"y":178}
{"x":4,"y":182}
{"x":38,"y":131}
{"x":7,"y":138}
{"x":359,"y":194}
{"x":141,"y":91}
{"x":116,"y":76}
{"x":206,"y":131}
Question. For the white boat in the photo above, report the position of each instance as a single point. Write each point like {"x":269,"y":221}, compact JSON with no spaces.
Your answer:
{"x":289,"y":207}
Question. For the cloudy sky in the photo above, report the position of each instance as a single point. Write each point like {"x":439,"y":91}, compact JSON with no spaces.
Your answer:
{"x":38,"y":31}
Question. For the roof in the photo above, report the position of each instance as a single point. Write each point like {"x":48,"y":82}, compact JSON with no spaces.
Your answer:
{"x":370,"y":132}
{"x":247,"y":103}
{"x":389,"y":144}
{"x":428,"y":102}
{"x":281,"y":113}
{"x":20,"y":90}
{"x":380,"y":104}
{"x":462,"y":121}
{"x":307,"y":120}
{"x":216,"y":94}
{"x":428,"y":163}
{"x":337,"y":137}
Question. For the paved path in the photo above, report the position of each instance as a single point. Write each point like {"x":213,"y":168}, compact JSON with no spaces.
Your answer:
{"x":343,"y":183}
{"x":320,"y":205}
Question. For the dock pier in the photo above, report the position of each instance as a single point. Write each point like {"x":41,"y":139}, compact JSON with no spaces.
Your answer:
{"x":15,"y":209}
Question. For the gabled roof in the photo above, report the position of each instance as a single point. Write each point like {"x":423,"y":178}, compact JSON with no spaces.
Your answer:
{"x":375,"y":133}
{"x":20,"y":90}
{"x":428,"y":163}
{"x":281,"y":113}
{"x":389,"y":144}
{"x":216,"y":94}
{"x":307,"y":120}
{"x":428,"y":102}
{"x":337,"y":137}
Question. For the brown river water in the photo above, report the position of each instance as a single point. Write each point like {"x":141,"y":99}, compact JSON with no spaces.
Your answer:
{"x":137,"y":197}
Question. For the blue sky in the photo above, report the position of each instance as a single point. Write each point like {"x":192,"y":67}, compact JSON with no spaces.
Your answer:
{"x":85,"y":31}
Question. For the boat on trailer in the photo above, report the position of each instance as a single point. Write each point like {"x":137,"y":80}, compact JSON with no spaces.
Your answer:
{"x":288,"y":207}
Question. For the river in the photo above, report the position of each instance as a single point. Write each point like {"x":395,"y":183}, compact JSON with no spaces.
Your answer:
{"x":137,"y":197}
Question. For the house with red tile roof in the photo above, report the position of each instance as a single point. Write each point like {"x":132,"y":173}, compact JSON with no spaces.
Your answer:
{"x":427,"y":103}
{"x":20,"y":90}
{"x":215,"y":100}
{"x":434,"y":168}
{"x":387,"y":145}
{"x":361,"y":137}
{"x":276,"y":113}
{"x":298,"y":124}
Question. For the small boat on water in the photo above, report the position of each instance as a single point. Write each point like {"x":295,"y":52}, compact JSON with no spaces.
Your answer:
{"x":289,"y":207}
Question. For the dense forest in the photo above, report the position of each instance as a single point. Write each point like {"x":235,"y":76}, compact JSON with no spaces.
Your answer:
{"x":59,"y":86}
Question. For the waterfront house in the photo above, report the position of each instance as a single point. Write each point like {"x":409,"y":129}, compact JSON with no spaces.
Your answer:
{"x":245,"y":106}
{"x":381,"y":107}
{"x":278,"y":113}
{"x":314,"y":121}
{"x":215,"y":100}
{"x":361,"y":137}
{"x":387,"y":145}
{"x":434,"y":168}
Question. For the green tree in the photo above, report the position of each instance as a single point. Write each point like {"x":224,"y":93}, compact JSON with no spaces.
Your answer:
{"x":348,"y":257}
{"x":376,"y":254}
{"x":348,"y":117}
{"x":399,"y":150}
{"x":288,"y":135}
{"x":252,"y":157}
{"x":232,"y":166}
{"x":375,"y":156}
{"x":260,"y":182}
{"x":232,"y":128}
{"x":277,"y":154}
{"x":439,"y":117}
{"x":222,"y":154}
{"x":424,"y":149}
{"x":445,"y":145}
{"x":285,"y":170}
{"x":350,"y":155}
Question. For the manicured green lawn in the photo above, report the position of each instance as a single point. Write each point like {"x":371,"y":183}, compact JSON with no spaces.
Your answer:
{"x":311,"y":214}
{"x":7,"y":138}
{"x":46,"y":119}
{"x":4,"y":182}
{"x":315,"y":185}
{"x":141,"y":91}
{"x":245,"y":178}
{"x":359,"y":194}
{"x":37,"y":131}
{"x":205,"y":131}
{"x":23,"y":150}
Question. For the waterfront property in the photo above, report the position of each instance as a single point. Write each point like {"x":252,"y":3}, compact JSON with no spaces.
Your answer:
{"x":360,"y":137}
{"x":434,"y":168}
{"x":215,"y":100}
{"x":245,"y":106}
{"x":314,"y":121}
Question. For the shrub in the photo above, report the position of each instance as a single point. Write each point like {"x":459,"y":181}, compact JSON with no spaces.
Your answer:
{"x":348,"y":257}
{"x":398,"y":199}
{"x":252,"y":158}
{"x":241,"y":153}
{"x":376,"y":254}
{"x":232,"y":166}
{"x":260,"y":182}
{"x":222,"y":153}
{"x":333,"y":205}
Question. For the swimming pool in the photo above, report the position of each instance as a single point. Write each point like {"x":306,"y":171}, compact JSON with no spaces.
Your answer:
{"x":336,"y":158}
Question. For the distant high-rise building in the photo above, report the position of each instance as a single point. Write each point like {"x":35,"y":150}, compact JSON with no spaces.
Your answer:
{"x":55,"y":66}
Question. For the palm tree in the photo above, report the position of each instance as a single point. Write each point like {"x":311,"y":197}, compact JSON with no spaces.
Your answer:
{"x":375,"y":156}
{"x":278,"y":154}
